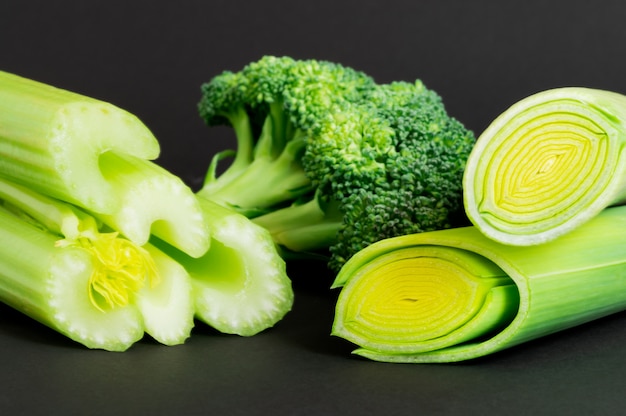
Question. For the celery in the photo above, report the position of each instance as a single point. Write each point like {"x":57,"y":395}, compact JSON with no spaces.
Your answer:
{"x":96,"y":288}
{"x":154,"y":202}
{"x":453,"y":295}
{"x":549,"y":163}
{"x":240,"y":285}
{"x":96,"y":156}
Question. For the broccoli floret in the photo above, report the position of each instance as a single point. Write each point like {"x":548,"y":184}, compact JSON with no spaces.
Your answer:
{"x":274,"y":105}
{"x":420,"y":187}
{"x":335,"y":161}
{"x":389,"y":165}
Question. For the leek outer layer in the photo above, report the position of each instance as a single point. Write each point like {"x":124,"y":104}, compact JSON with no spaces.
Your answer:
{"x":97,"y":156}
{"x":575,"y":279}
{"x":549,"y":163}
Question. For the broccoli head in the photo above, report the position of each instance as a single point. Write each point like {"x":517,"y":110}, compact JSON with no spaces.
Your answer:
{"x":334,"y":161}
{"x":419,"y":187}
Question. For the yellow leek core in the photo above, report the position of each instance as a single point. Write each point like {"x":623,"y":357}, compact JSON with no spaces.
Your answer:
{"x":546,"y":165}
{"x":545,"y":168}
{"x":423,"y":298}
{"x":120,"y":269}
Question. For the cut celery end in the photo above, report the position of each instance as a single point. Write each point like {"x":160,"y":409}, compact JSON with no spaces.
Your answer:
{"x":51,"y":279}
{"x":51,"y":140}
{"x":154,"y":201}
{"x":72,"y":314}
{"x":167,"y":308}
{"x":50,"y":284}
{"x":240,"y":285}
{"x":563,"y":283}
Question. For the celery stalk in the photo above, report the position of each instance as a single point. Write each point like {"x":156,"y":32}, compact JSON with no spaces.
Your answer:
{"x":96,"y":288}
{"x":156,"y":202}
{"x":97,"y":156}
{"x":455,"y":295}
{"x":51,"y":140}
{"x":549,"y":163}
{"x":240,"y":284}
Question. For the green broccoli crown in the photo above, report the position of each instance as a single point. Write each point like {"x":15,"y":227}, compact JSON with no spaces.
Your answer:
{"x":328,"y":159}
{"x":395,"y":164}
{"x":317,"y":87}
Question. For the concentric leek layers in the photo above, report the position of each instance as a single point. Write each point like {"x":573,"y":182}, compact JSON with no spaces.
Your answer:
{"x":547,"y":164}
{"x":454,"y":295}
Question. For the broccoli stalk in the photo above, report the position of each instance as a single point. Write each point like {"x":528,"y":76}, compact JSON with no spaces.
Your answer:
{"x":304,"y":227}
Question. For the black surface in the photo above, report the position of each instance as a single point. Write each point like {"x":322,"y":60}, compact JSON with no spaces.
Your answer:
{"x":150,"y":57}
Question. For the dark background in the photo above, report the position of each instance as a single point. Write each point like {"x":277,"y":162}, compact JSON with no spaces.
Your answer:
{"x":150,"y":57}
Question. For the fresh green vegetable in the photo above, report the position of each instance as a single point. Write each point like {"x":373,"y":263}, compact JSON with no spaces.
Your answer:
{"x":95,"y":287}
{"x":240,"y":286}
{"x":96,"y":156}
{"x":453,"y":295}
{"x":329,"y":161}
{"x":154,"y":202}
{"x":273,"y":106}
{"x":549,"y":163}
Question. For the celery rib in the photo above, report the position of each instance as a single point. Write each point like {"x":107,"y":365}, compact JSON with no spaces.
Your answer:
{"x":156,"y":202}
{"x":98,"y":157}
{"x":240,"y":285}
{"x":556,"y":285}
{"x":51,"y":140}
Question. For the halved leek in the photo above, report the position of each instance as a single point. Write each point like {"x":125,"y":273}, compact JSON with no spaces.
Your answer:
{"x":549,"y":163}
{"x":454,"y":295}
{"x":95,"y":287}
{"x":97,"y":156}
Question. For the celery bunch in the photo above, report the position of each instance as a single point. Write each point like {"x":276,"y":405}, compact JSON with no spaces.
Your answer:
{"x":83,"y":209}
{"x":454,"y":295}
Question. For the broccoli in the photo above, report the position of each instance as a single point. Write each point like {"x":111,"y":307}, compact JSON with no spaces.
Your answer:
{"x":364,"y":161}
{"x":274,"y":106}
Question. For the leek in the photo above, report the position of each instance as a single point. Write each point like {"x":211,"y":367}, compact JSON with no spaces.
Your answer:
{"x":548,"y":164}
{"x":454,"y":295}
{"x":97,"y":156}
{"x":93,"y":286}
{"x":240,"y":285}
